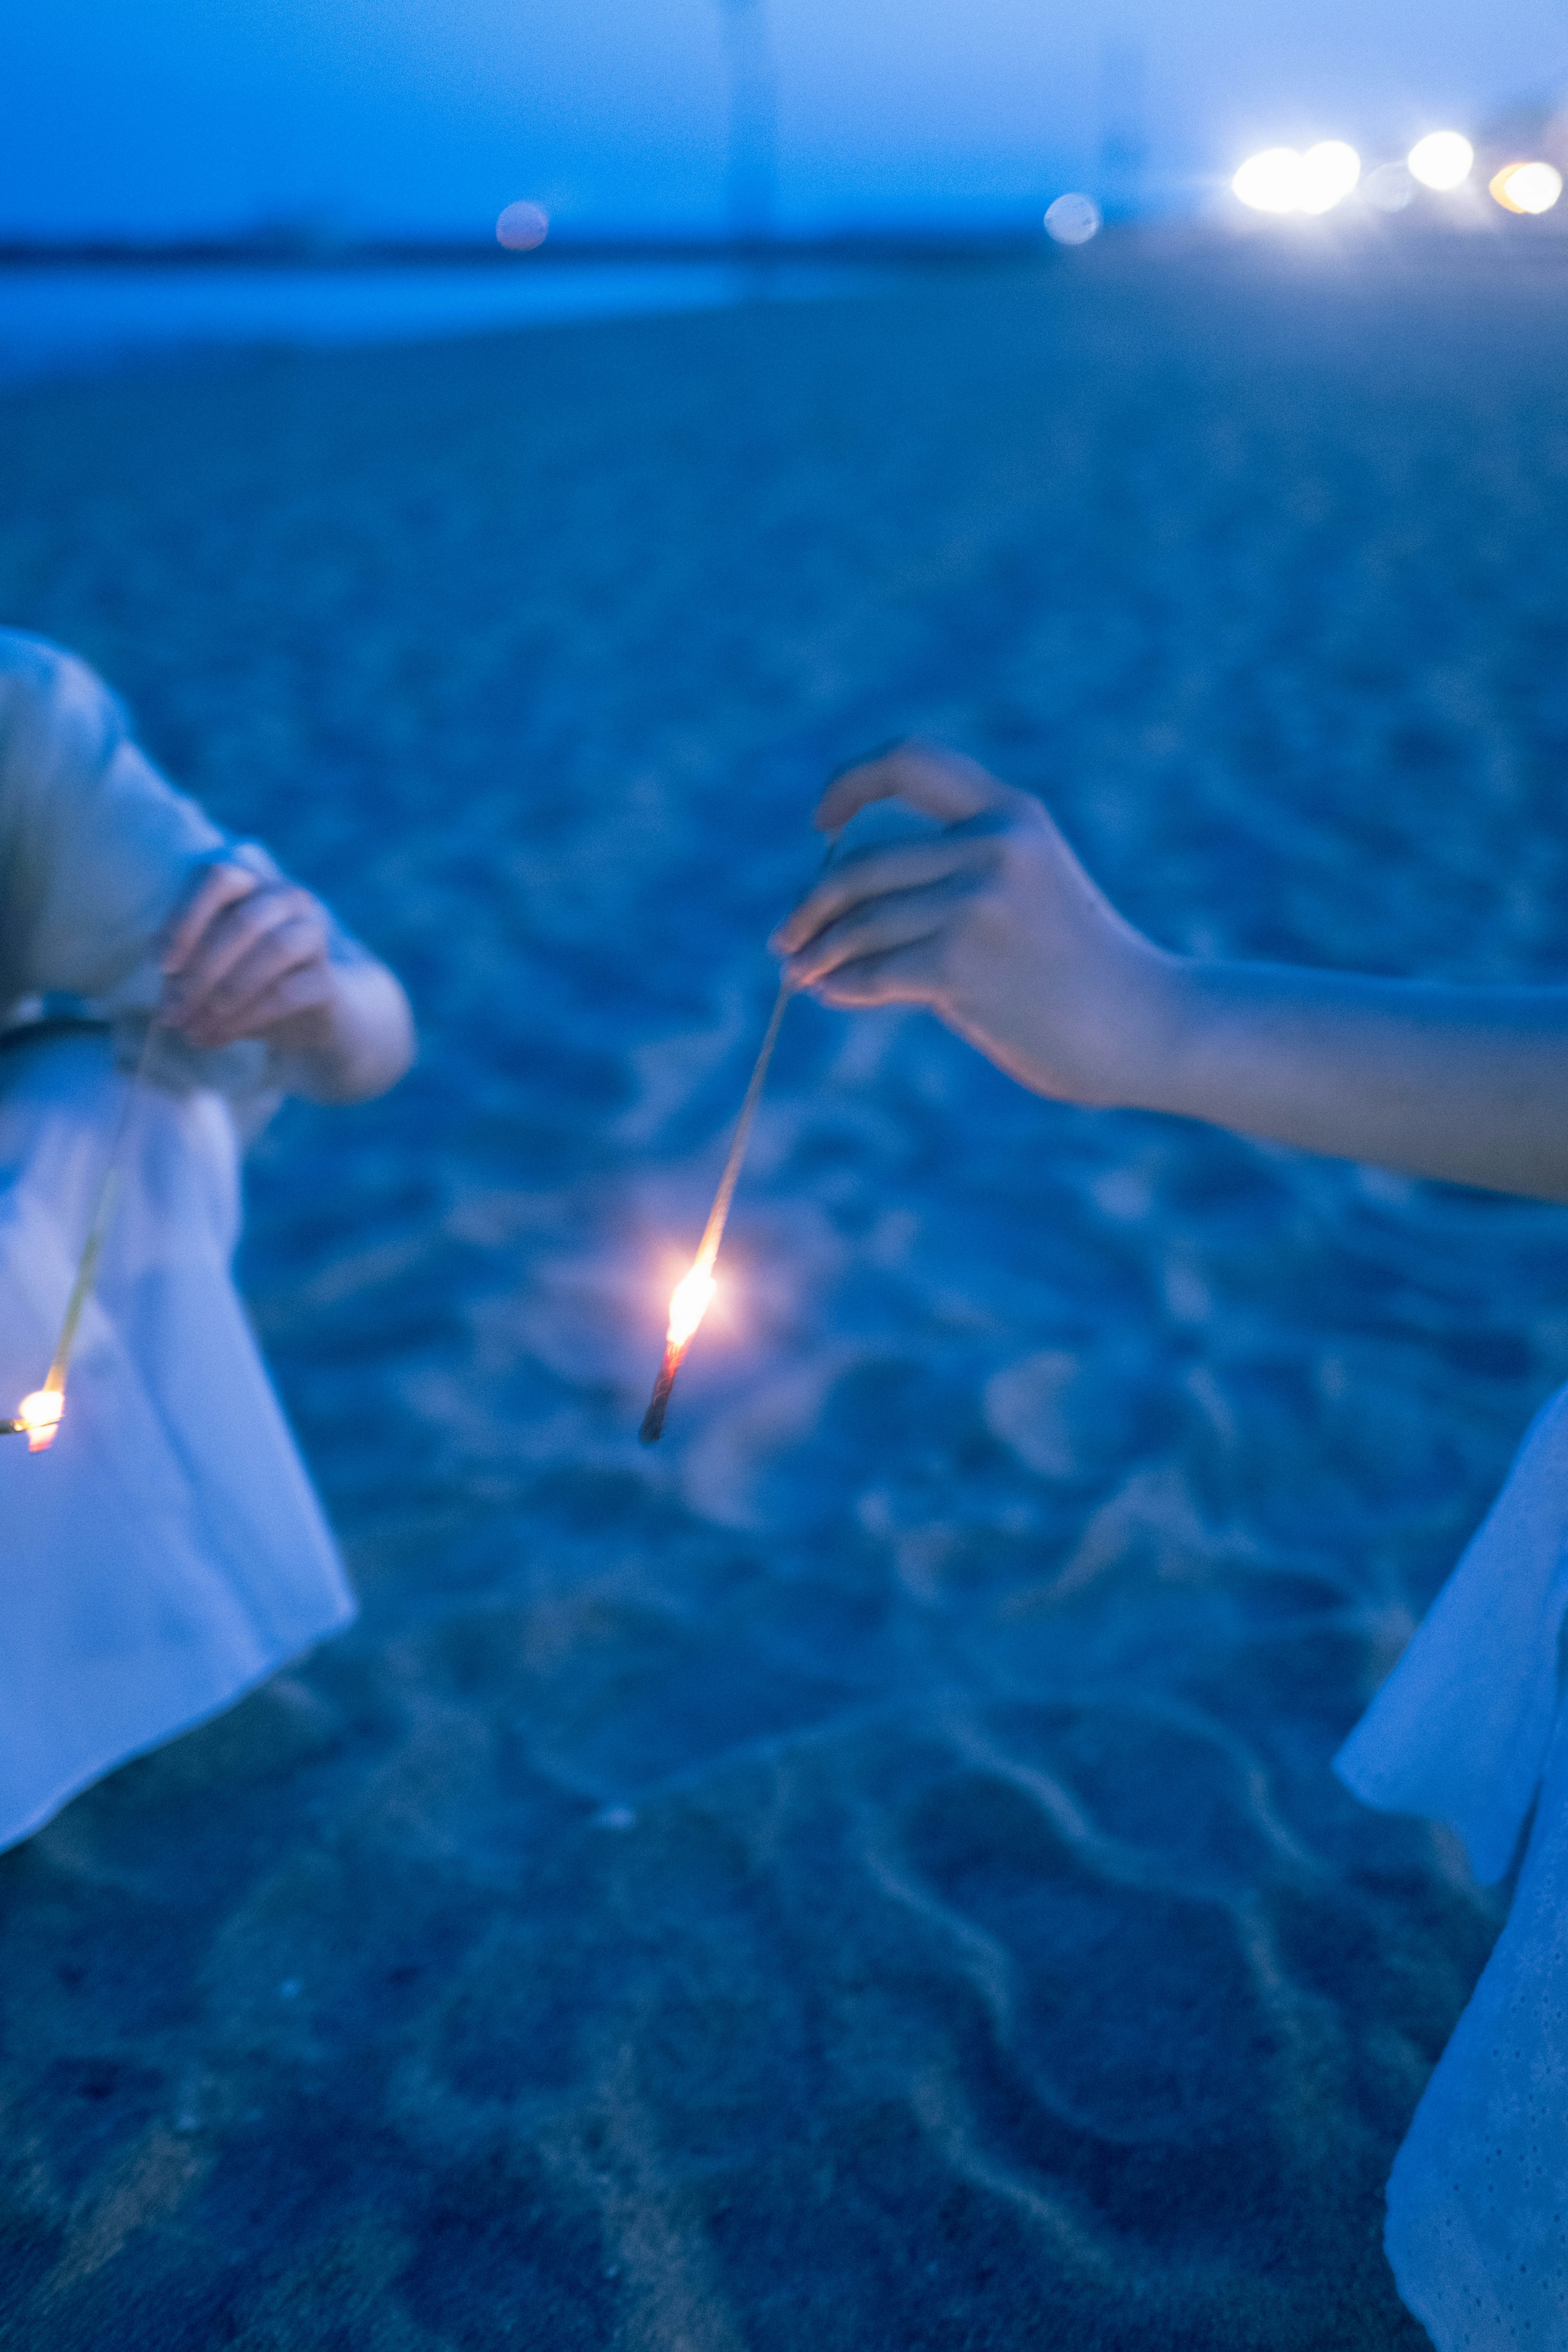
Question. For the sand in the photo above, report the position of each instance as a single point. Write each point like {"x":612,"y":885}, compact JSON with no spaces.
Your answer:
{"x":865,"y":1874}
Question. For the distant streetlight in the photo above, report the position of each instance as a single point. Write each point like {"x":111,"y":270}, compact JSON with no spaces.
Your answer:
{"x":1072,"y":219}
{"x":1442,"y":160}
{"x":1527,"y":187}
{"x":1329,"y":171}
{"x":1390,"y":188}
{"x":1124,"y":130}
{"x":1271,"y":181}
{"x":522,"y":227}
{"x":752,"y":180}
{"x":1280,"y":181}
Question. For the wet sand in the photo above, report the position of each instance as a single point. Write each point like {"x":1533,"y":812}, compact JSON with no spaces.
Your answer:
{"x":865,"y":1874}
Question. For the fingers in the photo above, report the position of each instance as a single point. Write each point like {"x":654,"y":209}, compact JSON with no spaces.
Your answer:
{"x":221,"y":886}
{"x":250,"y":945}
{"x":900,"y":920}
{"x":292,"y":998}
{"x":943,"y":785}
{"x":907,"y":975}
{"x":908,"y":866}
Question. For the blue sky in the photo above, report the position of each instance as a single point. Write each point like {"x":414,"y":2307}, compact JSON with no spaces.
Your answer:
{"x":428,"y":115}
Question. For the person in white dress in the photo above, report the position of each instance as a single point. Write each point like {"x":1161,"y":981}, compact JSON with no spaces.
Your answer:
{"x":161,"y":986}
{"x":992,"y":923}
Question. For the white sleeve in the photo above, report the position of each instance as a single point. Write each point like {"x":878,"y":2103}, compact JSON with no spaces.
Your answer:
{"x":96,"y":850}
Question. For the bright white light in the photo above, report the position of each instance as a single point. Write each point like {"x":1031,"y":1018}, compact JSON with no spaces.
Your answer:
{"x":1271,"y":181}
{"x":39,"y":1415}
{"x":689,"y":1304}
{"x":1329,"y":171}
{"x":522,"y":227}
{"x":1390,"y":187}
{"x":1073,"y":219}
{"x":1527,"y":187}
{"x":1441,"y":160}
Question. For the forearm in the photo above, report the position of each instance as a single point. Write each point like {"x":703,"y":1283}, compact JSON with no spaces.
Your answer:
{"x":1469,"y":1085}
{"x":995,"y":926}
{"x":357,"y":1047}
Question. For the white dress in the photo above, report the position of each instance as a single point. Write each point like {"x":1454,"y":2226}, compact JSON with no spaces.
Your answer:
{"x":1469,"y":1729}
{"x":167,"y":1553}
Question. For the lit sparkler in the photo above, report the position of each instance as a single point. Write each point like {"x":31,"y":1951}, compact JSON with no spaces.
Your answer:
{"x":689,"y":1301}
{"x":40,"y":1414}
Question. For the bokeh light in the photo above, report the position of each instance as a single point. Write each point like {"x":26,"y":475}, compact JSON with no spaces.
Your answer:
{"x":1388,"y":189}
{"x":1329,"y":171}
{"x":522,"y":227}
{"x":1527,"y":187}
{"x":1278,"y":179}
{"x":1073,"y":219}
{"x":1271,"y":181}
{"x":1442,"y":160}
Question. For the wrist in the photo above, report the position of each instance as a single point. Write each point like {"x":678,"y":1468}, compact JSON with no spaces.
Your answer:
{"x":352,"y":1047}
{"x":1163,"y":1003}
{"x":1132,"y":1039}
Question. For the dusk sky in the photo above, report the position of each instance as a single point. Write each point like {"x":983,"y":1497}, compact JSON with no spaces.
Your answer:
{"x":431,"y":114}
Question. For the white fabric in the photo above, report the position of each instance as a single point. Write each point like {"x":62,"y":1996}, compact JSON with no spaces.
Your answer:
{"x":1470,"y":1730}
{"x":168,"y":1552}
{"x":95,"y":847}
{"x":96,"y":854}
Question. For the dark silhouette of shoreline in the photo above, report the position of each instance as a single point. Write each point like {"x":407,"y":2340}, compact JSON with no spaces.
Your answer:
{"x":271,"y":248}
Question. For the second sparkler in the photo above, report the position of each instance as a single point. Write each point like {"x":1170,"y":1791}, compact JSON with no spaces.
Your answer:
{"x":689,"y":1301}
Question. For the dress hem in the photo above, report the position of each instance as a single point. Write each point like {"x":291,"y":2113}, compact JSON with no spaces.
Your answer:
{"x":90,"y":1775}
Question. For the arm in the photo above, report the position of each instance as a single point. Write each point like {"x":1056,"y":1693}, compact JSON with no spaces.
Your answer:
{"x":257,"y":957}
{"x":105,"y":866}
{"x":997,"y":928}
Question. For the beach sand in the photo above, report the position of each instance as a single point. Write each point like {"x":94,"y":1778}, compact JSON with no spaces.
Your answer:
{"x":864,"y":1873}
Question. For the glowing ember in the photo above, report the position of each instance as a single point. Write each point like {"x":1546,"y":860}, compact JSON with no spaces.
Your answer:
{"x":689,"y":1299}
{"x":39,"y":1415}
{"x":689,"y":1304}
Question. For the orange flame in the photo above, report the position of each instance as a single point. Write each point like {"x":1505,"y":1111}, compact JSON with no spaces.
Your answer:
{"x":688,"y":1302}
{"x":39,"y":1415}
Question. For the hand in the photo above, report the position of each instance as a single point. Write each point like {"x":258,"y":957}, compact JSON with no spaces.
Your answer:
{"x":248,"y":958}
{"x":992,"y":924}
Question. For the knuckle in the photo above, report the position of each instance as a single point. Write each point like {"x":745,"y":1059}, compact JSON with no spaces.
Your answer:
{"x":990,"y":909}
{"x":1016,"y":847}
{"x":248,"y":917}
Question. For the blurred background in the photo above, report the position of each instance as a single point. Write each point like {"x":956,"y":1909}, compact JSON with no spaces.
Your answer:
{"x":865,"y":1872}
{"x":277,"y":135}
{"x":419,"y":118}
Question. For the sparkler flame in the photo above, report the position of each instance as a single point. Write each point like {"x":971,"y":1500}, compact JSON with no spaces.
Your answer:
{"x":688,"y":1303}
{"x":689,"y":1299}
{"x":39,"y":1415}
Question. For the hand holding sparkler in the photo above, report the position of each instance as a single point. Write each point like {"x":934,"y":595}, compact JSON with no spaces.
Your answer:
{"x":254,"y":956}
{"x":997,"y":928}
{"x":246,"y":957}
{"x":992,"y":924}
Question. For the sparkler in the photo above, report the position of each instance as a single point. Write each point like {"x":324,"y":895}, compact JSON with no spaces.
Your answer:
{"x":689,"y":1299}
{"x":688,"y":1302}
{"x":40,"y":1414}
